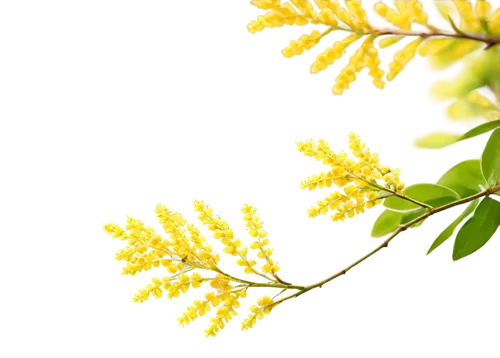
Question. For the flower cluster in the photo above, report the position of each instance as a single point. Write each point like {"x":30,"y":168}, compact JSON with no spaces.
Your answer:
{"x":477,"y":20}
{"x":265,"y":305}
{"x":364,"y":180}
{"x":186,"y":250}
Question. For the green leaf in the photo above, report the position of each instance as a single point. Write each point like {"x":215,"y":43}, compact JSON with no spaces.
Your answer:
{"x":490,"y":161}
{"x":436,"y":139}
{"x":480,"y":130}
{"x":431,"y":194}
{"x":386,"y":223}
{"x":465,"y":178}
{"x":439,"y":139}
{"x":478,"y":229}
{"x":411,"y":215}
{"x":446,"y":234}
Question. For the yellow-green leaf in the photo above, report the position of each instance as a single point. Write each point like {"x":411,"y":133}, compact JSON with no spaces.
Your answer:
{"x":385,"y":223}
{"x":490,"y":160}
{"x":480,"y":129}
{"x":436,"y":140}
{"x":439,"y":139}
{"x":448,"y":232}
{"x":478,"y":231}
{"x":464,"y":177}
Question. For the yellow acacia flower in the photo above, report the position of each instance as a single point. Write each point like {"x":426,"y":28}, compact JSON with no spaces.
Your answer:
{"x":223,"y":232}
{"x":140,"y":239}
{"x":254,"y":227}
{"x":477,"y":19}
{"x":364,"y":180}
{"x":186,"y":250}
{"x":264,"y":306}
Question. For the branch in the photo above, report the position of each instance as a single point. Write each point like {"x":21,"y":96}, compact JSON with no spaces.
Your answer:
{"x":401,"y":228}
{"x":489,"y":40}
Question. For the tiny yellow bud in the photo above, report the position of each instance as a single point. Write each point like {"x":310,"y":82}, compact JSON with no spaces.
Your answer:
{"x":377,"y":175}
{"x":155,"y":241}
{"x":267,"y":300}
{"x":388,"y":178}
{"x":366,"y":170}
{"x":243,"y":294}
{"x":266,"y":268}
{"x":254,"y":245}
{"x":217,"y":234}
{"x":195,"y":276}
{"x":209,"y":296}
{"x":222,"y":311}
{"x":254,"y":309}
{"x":275,"y":268}
{"x":241,"y":262}
{"x":229,"y":250}
{"x":172,"y":268}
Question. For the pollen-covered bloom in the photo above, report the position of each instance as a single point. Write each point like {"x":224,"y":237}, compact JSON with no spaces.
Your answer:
{"x":264,"y":307}
{"x":222,"y":232}
{"x":147,"y":249}
{"x":255,"y":229}
{"x":185,"y":250}
{"x":172,"y":285}
{"x":364,"y":180}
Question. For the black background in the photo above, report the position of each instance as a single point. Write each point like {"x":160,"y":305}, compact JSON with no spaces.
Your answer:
{"x":212,"y":112}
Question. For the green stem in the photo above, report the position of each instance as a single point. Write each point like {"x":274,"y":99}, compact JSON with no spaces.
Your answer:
{"x":424,"y":205}
{"x":401,"y":228}
{"x":257,"y":284}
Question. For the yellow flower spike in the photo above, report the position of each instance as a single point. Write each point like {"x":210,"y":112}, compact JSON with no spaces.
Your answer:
{"x":359,"y":17}
{"x":265,"y":305}
{"x":331,"y":54}
{"x":467,"y":19}
{"x":392,"y":16}
{"x":266,"y":4}
{"x":372,"y":62}
{"x":389,"y":41}
{"x":266,"y":268}
{"x":401,"y":58}
{"x":494,"y":23}
{"x":305,"y":42}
